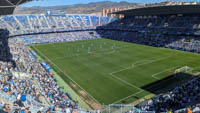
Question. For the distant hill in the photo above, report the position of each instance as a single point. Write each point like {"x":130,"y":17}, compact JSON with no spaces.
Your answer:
{"x":90,"y":8}
{"x":93,"y":7}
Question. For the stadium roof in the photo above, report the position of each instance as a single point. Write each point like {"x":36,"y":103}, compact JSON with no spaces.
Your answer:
{"x":162,"y":10}
{"x":8,"y":6}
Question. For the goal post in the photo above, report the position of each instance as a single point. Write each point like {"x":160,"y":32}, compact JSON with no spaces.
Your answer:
{"x":185,"y":69}
{"x":119,"y":108}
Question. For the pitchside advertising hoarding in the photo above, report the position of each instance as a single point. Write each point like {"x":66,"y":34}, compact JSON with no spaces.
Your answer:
{"x":46,"y":66}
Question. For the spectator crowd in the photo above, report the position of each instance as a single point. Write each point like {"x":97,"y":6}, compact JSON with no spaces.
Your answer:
{"x":175,"y":32}
{"x":178,"y":98}
{"x":26,"y":24}
{"x":26,"y":86}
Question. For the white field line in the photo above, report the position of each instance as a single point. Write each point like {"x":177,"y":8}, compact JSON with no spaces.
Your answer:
{"x":154,"y":75}
{"x":128,"y":96}
{"x":142,"y":89}
{"x":134,"y":66}
{"x":112,"y":74}
{"x":69,"y":77}
{"x":127,"y":82}
{"x":124,"y":81}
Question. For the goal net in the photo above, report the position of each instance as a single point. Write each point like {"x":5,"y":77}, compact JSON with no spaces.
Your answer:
{"x":185,"y":69}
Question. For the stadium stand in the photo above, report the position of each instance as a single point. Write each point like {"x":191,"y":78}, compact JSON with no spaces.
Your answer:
{"x":178,"y":98}
{"x":29,"y":86}
{"x":176,"y":32}
{"x":26,"y":24}
{"x":169,"y":29}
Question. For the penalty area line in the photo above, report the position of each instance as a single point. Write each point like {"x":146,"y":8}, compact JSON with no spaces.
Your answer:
{"x":134,"y":66}
{"x":124,"y":81}
{"x":127,"y":82}
{"x":148,"y":61}
{"x":128,"y":97}
{"x":154,"y":75}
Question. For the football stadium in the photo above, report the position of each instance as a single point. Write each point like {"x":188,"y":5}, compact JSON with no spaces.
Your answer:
{"x":143,"y":58}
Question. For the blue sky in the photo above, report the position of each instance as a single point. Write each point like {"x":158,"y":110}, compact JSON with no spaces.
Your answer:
{"x":70,"y":2}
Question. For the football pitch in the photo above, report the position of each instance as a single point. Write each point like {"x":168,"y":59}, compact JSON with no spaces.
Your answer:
{"x":108,"y":71}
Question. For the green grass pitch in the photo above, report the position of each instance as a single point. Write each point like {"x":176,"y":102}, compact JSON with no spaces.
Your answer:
{"x":112,"y":71}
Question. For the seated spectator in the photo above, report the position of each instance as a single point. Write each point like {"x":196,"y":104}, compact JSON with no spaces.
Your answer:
{"x":6,"y":109}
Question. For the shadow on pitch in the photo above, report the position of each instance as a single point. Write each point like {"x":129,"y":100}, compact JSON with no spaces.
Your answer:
{"x":168,"y":83}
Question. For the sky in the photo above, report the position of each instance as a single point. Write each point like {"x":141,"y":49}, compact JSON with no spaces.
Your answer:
{"x":71,"y":2}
